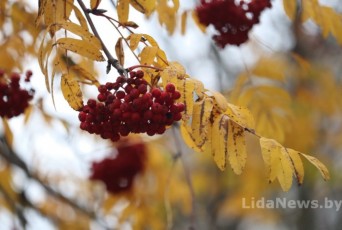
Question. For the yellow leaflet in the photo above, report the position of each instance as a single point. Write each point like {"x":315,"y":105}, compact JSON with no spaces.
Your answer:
{"x":123,"y":10}
{"x":130,"y":24}
{"x":319,"y":165}
{"x":173,"y":73}
{"x":8,"y":131}
{"x":41,"y":10}
{"x":241,"y":116}
{"x":290,"y":7}
{"x":200,"y":119}
{"x":219,"y":136}
{"x":83,"y":74}
{"x":271,"y":153}
{"x":144,"y":6}
{"x":199,"y":87}
{"x":265,"y":95}
{"x":167,"y":15}
{"x":286,"y":171}
{"x":94,"y":4}
{"x":183,"y":22}
{"x":207,"y":147}
{"x":71,"y":92}
{"x":148,"y":54}
{"x":80,"y":17}
{"x":161,"y":58}
{"x":43,"y":55}
{"x":187,"y":138}
{"x":196,"y":20}
{"x":236,"y":147}
{"x":297,"y":165}
{"x":134,"y":40}
{"x":54,"y":12}
{"x":220,"y":101}
{"x":81,"y":47}
{"x":277,"y":72}
{"x":6,"y":181}
{"x":83,"y":32}
{"x":331,"y":23}
{"x":119,"y":51}
{"x":186,"y":88}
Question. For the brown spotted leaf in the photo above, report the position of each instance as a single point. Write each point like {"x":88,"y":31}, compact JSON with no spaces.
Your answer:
{"x":81,"y":47}
{"x":236,"y":145}
{"x":71,"y":92}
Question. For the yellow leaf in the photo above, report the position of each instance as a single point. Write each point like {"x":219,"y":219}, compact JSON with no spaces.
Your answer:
{"x":236,"y":147}
{"x":134,"y":40}
{"x":94,"y":4}
{"x":120,"y":52}
{"x":81,"y":47}
{"x":8,"y":131}
{"x":286,"y":171}
{"x":144,"y":6}
{"x":290,"y":7}
{"x":200,"y":119}
{"x":297,"y":165}
{"x":6,"y":182}
{"x":271,"y":153}
{"x":43,"y":57}
{"x":186,"y":89}
{"x":220,"y":101}
{"x":241,"y":116}
{"x":81,"y":31}
{"x":129,"y":24}
{"x":183,"y":22}
{"x":273,"y":68}
{"x":71,"y":92}
{"x":185,"y":131}
{"x":83,"y":74}
{"x":172,"y":73}
{"x":319,"y":165}
{"x":148,"y":54}
{"x":123,"y":10}
{"x":80,"y":17}
{"x":219,"y":141}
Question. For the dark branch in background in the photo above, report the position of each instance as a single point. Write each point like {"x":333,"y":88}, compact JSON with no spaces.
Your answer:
{"x":12,"y":157}
{"x":111,"y":60}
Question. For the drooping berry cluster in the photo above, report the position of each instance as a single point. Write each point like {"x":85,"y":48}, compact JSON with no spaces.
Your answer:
{"x":129,"y":105}
{"x":118,"y":173}
{"x":232,"y":20}
{"x":13,"y":99}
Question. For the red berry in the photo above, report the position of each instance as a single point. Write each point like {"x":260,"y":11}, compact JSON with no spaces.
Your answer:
{"x":170,"y":88}
{"x":156,"y":92}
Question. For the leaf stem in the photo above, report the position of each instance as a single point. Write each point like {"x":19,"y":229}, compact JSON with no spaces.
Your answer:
{"x":111,"y":60}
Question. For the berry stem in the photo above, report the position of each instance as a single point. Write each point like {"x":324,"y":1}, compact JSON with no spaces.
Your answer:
{"x":143,"y":66}
{"x":111,"y":60}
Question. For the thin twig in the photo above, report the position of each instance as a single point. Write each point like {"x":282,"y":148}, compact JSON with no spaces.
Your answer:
{"x":111,"y":60}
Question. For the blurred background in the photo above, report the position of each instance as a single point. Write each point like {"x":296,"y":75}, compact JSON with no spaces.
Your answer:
{"x":289,"y":74}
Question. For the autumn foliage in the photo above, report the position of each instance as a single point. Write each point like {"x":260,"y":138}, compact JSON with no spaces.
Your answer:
{"x":176,"y":145}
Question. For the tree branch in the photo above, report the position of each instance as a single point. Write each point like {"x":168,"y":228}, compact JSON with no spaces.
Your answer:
{"x":111,"y":60}
{"x":10,"y":156}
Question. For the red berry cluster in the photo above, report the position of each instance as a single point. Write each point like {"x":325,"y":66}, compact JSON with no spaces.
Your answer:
{"x":129,"y":106}
{"x":13,"y":99}
{"x":232,"y":21}
{"x":118,"y":173}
